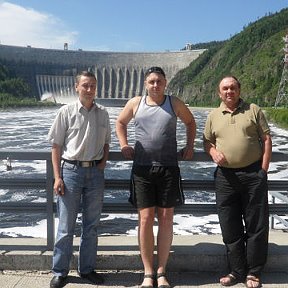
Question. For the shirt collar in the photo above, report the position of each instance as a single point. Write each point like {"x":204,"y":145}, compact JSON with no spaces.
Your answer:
{"x":224,"y":109}
{"x":80,"y":106}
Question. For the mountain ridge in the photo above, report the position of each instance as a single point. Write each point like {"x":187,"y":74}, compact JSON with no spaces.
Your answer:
{"x":254,"y":56}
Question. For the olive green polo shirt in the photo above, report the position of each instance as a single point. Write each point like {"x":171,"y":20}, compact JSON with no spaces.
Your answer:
{"x":238,"y":134}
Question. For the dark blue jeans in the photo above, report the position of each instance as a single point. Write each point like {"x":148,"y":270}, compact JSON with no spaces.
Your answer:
{"x":242,"y":203}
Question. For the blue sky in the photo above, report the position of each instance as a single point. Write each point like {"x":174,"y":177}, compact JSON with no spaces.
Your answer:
{"x":127,"y":25}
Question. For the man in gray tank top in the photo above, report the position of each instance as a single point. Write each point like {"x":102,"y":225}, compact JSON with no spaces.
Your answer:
{"x":155,"y":177}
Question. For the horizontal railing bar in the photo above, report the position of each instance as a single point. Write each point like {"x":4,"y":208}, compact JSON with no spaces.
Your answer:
{"x":23,"y":207}
{"x":278,"y":185}
{"x":207,"y":185}
{"x":126,"y":208}
{"x":25,"y":155}
{"x":23,"y":183}
{"x":278,"y":208}
{"x":199,"y":156}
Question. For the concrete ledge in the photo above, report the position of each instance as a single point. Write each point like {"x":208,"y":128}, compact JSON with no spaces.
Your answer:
{"x":188,"y":253}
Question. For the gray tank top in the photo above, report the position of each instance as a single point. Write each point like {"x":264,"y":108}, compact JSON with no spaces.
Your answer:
{"x":155,"y":134}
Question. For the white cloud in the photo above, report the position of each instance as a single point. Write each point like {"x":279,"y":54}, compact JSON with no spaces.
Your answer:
{"x":24,"y":26}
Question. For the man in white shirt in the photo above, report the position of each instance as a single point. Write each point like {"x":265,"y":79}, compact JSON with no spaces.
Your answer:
{"x":80,"y":137}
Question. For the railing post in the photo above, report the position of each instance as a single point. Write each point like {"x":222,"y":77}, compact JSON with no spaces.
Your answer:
{"x":272,"y":216}
{"x":50,"y":204}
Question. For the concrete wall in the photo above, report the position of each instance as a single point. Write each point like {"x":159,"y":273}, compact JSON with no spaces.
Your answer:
{"x":119,"y":74}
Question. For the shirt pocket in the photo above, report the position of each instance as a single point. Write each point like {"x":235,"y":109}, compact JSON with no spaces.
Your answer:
{"x":76,"y":122}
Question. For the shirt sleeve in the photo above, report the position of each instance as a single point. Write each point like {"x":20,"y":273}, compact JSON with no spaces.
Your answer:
{"x":208,"y":134}
{"x":108,"y":134}
{"x":57,"y":131}
{"x":263,"y":124}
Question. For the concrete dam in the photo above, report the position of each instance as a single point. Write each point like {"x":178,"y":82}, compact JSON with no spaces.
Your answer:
{"x":120,"y":75}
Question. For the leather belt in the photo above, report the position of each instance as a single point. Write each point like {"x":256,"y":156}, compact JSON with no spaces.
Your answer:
{"x":83,"y":163}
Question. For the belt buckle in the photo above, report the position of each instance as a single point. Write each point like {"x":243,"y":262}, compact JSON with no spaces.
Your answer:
{"x":86,"y":164}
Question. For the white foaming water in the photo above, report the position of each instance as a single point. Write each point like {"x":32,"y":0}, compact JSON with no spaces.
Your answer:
{"x":27,"y":130}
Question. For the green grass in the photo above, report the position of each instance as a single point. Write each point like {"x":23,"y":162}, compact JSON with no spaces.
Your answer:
{"x":279,"y":116}
{"x":8,"y":101}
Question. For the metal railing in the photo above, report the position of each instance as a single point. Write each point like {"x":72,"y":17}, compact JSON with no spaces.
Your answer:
{"x":276,"y":188}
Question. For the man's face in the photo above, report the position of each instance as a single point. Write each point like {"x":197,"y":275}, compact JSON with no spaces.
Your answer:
{"x":86,"y":89}
{"x":229,"y":92}
{"x":155,"y":84}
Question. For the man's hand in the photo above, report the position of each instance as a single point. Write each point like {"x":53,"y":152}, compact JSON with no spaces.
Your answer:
{"x":187,"y":153}
{"x":58,"y":186}
{"x":101,"y":165}
{"x":218,"y":157}
{"x":128,"y":152}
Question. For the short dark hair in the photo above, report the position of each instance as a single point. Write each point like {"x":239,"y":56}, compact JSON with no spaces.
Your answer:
{"x":154,"y":69}
{"x":233,"y":77}
{"x":85,"y":74}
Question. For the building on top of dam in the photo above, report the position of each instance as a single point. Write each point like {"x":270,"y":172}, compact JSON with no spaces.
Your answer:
{"x":120,"y":75}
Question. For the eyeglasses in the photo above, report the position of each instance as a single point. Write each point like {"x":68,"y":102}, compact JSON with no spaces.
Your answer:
{"x":154,"y":69}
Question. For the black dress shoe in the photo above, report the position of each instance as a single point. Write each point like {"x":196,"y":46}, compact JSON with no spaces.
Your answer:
{"x":57,"y":282}
{"x":93,"y":277}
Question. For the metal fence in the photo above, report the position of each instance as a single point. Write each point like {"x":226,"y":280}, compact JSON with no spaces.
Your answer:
{"x":277,"y":188}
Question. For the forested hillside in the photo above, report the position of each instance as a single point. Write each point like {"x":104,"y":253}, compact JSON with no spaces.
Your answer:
{"x":12,"y":89}
{"x":254,"y":56}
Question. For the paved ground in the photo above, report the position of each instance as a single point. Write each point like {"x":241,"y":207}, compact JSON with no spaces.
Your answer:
{"x":40,"y":279}
{"x":118,"y":259}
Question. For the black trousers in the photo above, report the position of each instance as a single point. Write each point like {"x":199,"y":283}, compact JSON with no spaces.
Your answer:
{"x":242,"y":203}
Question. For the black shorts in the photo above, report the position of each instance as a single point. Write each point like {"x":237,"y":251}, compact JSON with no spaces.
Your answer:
{"x":156,"y":186}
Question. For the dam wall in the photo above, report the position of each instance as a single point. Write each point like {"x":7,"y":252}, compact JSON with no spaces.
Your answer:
{"x":120,"y":75}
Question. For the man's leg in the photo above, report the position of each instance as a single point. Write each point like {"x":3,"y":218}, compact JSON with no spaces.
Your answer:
{"x":256,"y":217}
{"x":146,"y":241}
{"x":68,"y":206}
{"x":228,"y":199}
{"x":164,"y":240}
{"x":92,"y":199}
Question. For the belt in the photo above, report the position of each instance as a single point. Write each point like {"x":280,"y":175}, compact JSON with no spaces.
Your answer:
{"x":83,"y":163}
{"x":256,"y":166}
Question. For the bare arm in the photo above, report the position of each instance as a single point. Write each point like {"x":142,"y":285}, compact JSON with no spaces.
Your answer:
{"x":267,"y":151}
{"x":56,"y":162}
{"x":122,"y":122}
{"x":185,"y":115}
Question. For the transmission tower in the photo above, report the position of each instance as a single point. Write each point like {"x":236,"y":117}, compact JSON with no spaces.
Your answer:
{"x":282,"y":96}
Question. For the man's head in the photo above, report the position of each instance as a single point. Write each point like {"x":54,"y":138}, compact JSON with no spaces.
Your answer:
{"x":155,"y":82}
{"x":229,"y":91}
{"x":154,"y":69}
{"x":86,"y":86}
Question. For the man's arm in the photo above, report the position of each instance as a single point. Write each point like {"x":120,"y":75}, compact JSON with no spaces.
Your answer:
{"x":122,"y":121}
{"x":185,"y":115}
{"x":56,"y":162}
{"x":217,"y":156}
{"x":267,"y":151}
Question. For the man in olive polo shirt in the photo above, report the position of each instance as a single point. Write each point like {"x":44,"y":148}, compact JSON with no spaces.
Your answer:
{"x":237,"y":137}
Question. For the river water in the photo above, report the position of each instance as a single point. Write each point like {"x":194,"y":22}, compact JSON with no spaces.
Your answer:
{"x":26,"y":129}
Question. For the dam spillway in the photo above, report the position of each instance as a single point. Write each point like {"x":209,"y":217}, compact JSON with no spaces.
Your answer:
{"x":120,"y":75}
